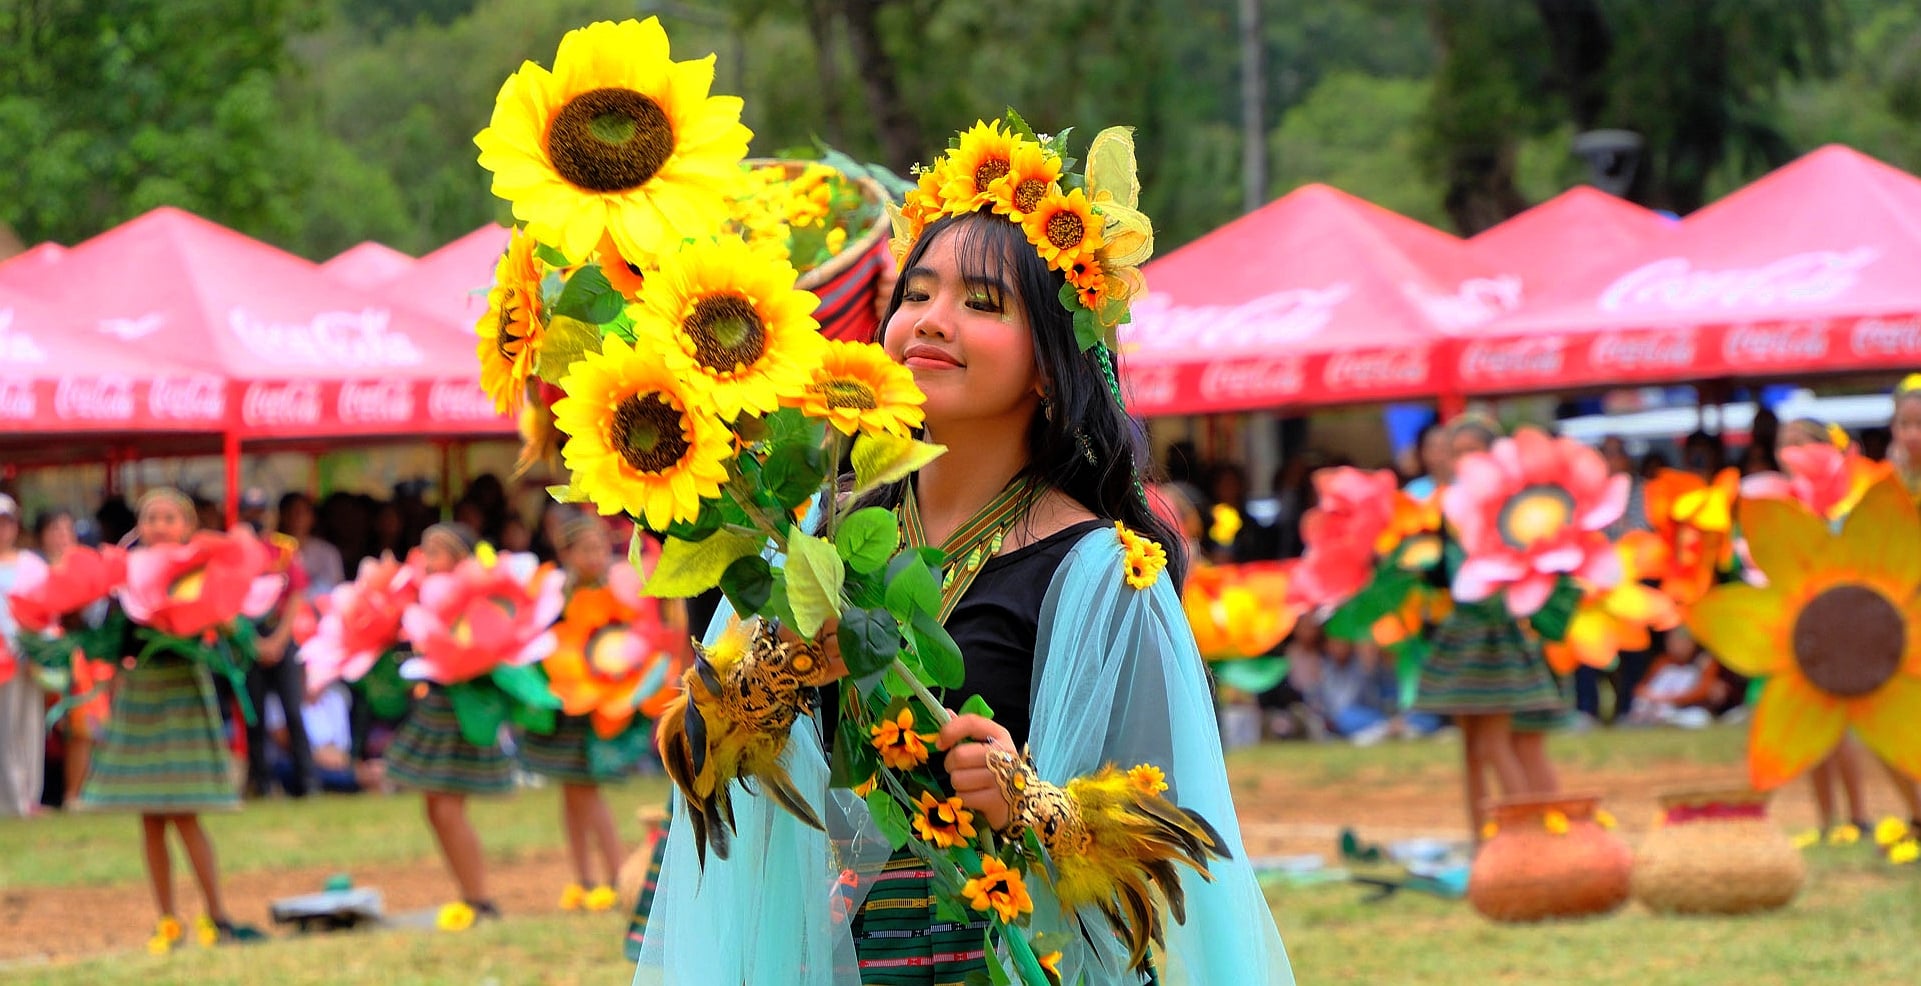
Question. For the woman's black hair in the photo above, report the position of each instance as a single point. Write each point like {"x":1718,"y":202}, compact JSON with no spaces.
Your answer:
{"x":47,"y":519}
{"x":1087,"y":447}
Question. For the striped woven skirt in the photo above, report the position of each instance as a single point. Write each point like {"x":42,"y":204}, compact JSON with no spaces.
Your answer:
{"x":163,"y":748}
{"x":562,"y":754}
{"x":901,"y":941}
{"x":644,"y":902}
{"x":429,"y":754}
{"x":1483,"y":663}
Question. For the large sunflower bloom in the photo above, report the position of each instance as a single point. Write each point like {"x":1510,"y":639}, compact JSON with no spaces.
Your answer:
{"x":640,"y":440}
{"x":1032,"y":175}
{"x":509,"y":334}
{"x":984,"y":155}
{"x":856,"y":387}
{"x":732,"y":320}
{"x":1064,"y":229}
{"x":617,"y":138}
{"x":1837,"y":631}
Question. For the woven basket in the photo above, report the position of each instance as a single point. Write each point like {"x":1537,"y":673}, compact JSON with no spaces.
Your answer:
{"x":1716,"y":852}
{"x":847,"y":281}
{"x":1535,"y":868}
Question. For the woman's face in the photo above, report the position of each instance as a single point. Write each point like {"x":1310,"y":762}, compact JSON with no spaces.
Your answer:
{"x":1436,"y":458}
{"x":57,"y":538}
{"x":1461,"y":443}
{"x":1907,"y":426}
{"x":163,"y":522}
{"x":589,"y":556}
{"x":9,"y":532}
{"x":968,"y":341}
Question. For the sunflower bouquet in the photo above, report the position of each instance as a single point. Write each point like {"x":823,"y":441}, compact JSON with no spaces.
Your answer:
{"x":813,"y":206}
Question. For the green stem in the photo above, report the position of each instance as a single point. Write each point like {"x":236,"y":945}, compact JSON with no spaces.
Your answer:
{"x":934,"y":707}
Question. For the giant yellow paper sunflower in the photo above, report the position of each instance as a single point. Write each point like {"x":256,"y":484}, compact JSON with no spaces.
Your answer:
{"x":1837,"y":632}
{"x":985,"y":153}
{"x":640,"y":440}
{"x":1064,"y":229}
{"x":509,"y":334}
{"x":618,"y":137}
{"x":1609,"y":621}
{"x":731,"y":319}
{"x":856,"y":388}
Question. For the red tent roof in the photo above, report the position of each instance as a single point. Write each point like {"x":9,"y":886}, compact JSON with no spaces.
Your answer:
{"x":23,"y":269}
{"x":304,"y":355}
{"x":1316,"y":298}
{"x":367,"y":264}
{"x":452,"y":281}
{"x":1808,"y":270}
{"x":1574,"y":231}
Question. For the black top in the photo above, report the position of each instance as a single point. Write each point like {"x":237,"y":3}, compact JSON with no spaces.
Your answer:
{"x":998,"y":622}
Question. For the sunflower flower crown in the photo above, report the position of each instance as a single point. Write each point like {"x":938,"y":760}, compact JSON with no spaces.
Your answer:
{"x":1084,"y":224}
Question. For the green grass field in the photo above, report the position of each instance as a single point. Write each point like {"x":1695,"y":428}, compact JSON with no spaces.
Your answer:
{"x":1857,"y":924}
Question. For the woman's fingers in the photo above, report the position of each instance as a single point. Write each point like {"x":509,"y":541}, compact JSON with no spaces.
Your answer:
{"x":977,"y":728}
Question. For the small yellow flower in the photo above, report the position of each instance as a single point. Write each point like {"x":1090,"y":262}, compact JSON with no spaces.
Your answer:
{"x":900,"y":747}
{"x":456,"y":916}
{"x":1556,"y":822}
{"x":572,"y":897}
{"x":944,"y":823}
{"x":1226,"y":525}
{"x":1889,"y":831}
{"x":165,"y":933}
{"x":1147,"y":778}
{"x":1605,"y":818}
{"x":856,"y":387}
{"x":866,"y":787}
{"x":1145,"y":559}
{"x":1844,"y":835}
{"x":1905,"y":852}
{"x":1051,"y":965}
{"x":999,"y":889}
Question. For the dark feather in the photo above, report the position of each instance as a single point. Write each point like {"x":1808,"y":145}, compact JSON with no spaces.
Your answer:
{"x":694,"y":728}
{"x":783,"y":790}
{"x":698,"y":816}
{"x":1215,"y":844}
{"x":1169,"y":882}
{"x":722,"y":832}
{"x":709,"y":676}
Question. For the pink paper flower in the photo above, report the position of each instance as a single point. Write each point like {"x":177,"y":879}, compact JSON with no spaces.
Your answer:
{"x":1530,"y":511}
{"x":1343,"y":533}
{"x":1824,"y":478}
{"x":188,"y":589}
{"x":45,"y":594}
{"x":476,"y":618}
{"x":360,"y":620}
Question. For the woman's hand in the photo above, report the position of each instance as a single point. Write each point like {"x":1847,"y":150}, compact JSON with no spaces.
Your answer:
{"x":967,"y":740}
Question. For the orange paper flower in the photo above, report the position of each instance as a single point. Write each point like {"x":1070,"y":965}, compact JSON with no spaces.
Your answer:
{"x":614,"y":655}
{"x":944,"y":823}
{"x":900,"y":747}
{"x":1612,"y":620}
{"x":1240,"y":611}
{"x":999,"y":889}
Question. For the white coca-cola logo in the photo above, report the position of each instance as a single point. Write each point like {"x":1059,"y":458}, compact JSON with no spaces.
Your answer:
{"x":1245,"y":380}
{"x":17,"y":400}
{"x":1887,"y":337}
{"x":1673,"y":284}
{"x":1642,"y":350}
{"x":1377,"y":370}
{"x":388,"y":402}
{"x":94,"y":399}
{"x":450,"y":401}
{"x":1150,"y":388}
{"x":1475,"y":301}
{"x":137,"y":327}
{"x":17,"y":347}
{"x":281,"y":404}
{"x":338,"y":339}
{"x":1284,"y":316}
{"x":201,"y":398}
{"x":1530,"y":357}
{"x":1772,"y":344}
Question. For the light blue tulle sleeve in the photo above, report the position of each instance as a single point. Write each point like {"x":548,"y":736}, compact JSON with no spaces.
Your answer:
{"x":1119,"y":681}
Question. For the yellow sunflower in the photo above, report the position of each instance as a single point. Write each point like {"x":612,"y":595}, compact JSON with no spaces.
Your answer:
{"x":1837,"y":631}
{"x":857,"y":388}
{"x":1032,"y":175}
{"x":900,"y":747}
{"x":617,"y":138}
{"x":985,"y":154}
{"x":1064,"y":229}
{"x":732,"y":319}
{"x":509,"y":334}
{"x":640,"y":440}
{"x":1144,"y":558}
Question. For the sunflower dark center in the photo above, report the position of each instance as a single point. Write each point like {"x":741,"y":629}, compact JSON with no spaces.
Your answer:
{"x":509,"y":319}
{"x":1065,"y":229}
{"x":1849,"y":641}
{"x":647,"y":433}
{"x":1029,"y":193}
{"x":727,"y":333}
{"x":610,"y":140}
{"x":989,"y":171}
{"x":848,"y":393}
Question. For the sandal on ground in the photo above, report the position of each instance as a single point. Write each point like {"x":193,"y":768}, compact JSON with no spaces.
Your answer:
{"x":209,"y":932}
{"x":573,"y":897}
{"x":601,"y":898}
{"x":166,"y":934}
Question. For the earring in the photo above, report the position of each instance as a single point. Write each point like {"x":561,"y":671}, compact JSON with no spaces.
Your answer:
{"x":1047,"y":408}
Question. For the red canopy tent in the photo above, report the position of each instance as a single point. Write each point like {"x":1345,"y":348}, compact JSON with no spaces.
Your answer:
{"x":1808,"y":270}
{"x":1316,"y":298}
{"x":367,"y":265}
{"x":1575,"y":231}
{"x":452,"y":281}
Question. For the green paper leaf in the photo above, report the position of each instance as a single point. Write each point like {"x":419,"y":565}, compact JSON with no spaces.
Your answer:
{"x":1409,"y":655}
{"x":977,"y":706}
{"x":1384,"y":594}
{"x":564,"y":342}
{"x":700,"y":527}
{"x":550,"y":256}
{"x":528,"y":719}
{"x":868,"y":538}
{"x":1253,"y":675}
{"x":912,"y":587}
{"x":525,"y":685}
{"x":691,"y":568}
{"x":1087,"y":328}
{"x":480,"y":708}
{"x":869,"y":640}
{"x":792,"y":474}
{"x":388,"y":694}
{"x":814,"y":577}
{"x":881,"y":459}
{"x":748,"y":583}
{"x":889,"y":818}
{"x":938,"y":652}
{"x":779,"y":606}
{"x":1551,"y":621}
{"x":588,"y":297}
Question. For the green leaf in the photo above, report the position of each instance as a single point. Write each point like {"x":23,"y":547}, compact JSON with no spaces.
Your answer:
{"x":865,"y":591}
{"x":748,"y":583}
{"x":480,"y":708}
{"x":869,"y":640}
{"x":853,"y":760}
{"x":976,"y":706}
{"x":793,"y":474}
{"x":814,"y":577}
{"x":1087,"y":328}
{"x":912,"y":587}
{"x":588,"y":297}
{"x":997,"y":974}
{"x":778,"y":605}
{"x":1552,"y":619}
{"x":788,"y":426}
{"x":689,"y":568}
{"x":387,"y":693}
{"x":564,"y":342}
{"x":889,"y":818}
{"x":1384,"y":594}
{"x":526,"y":685}
{"x":550,"y":256}
{"x":1019,"y":125}
{"x":868,"y":538}
{"x":700,"y":527}
{"x":938,"y":652}
{"x":1253,"y":675}
{"x":881,"y":459}
{"x":529,"y":719}
{"x":1409,"y":655}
